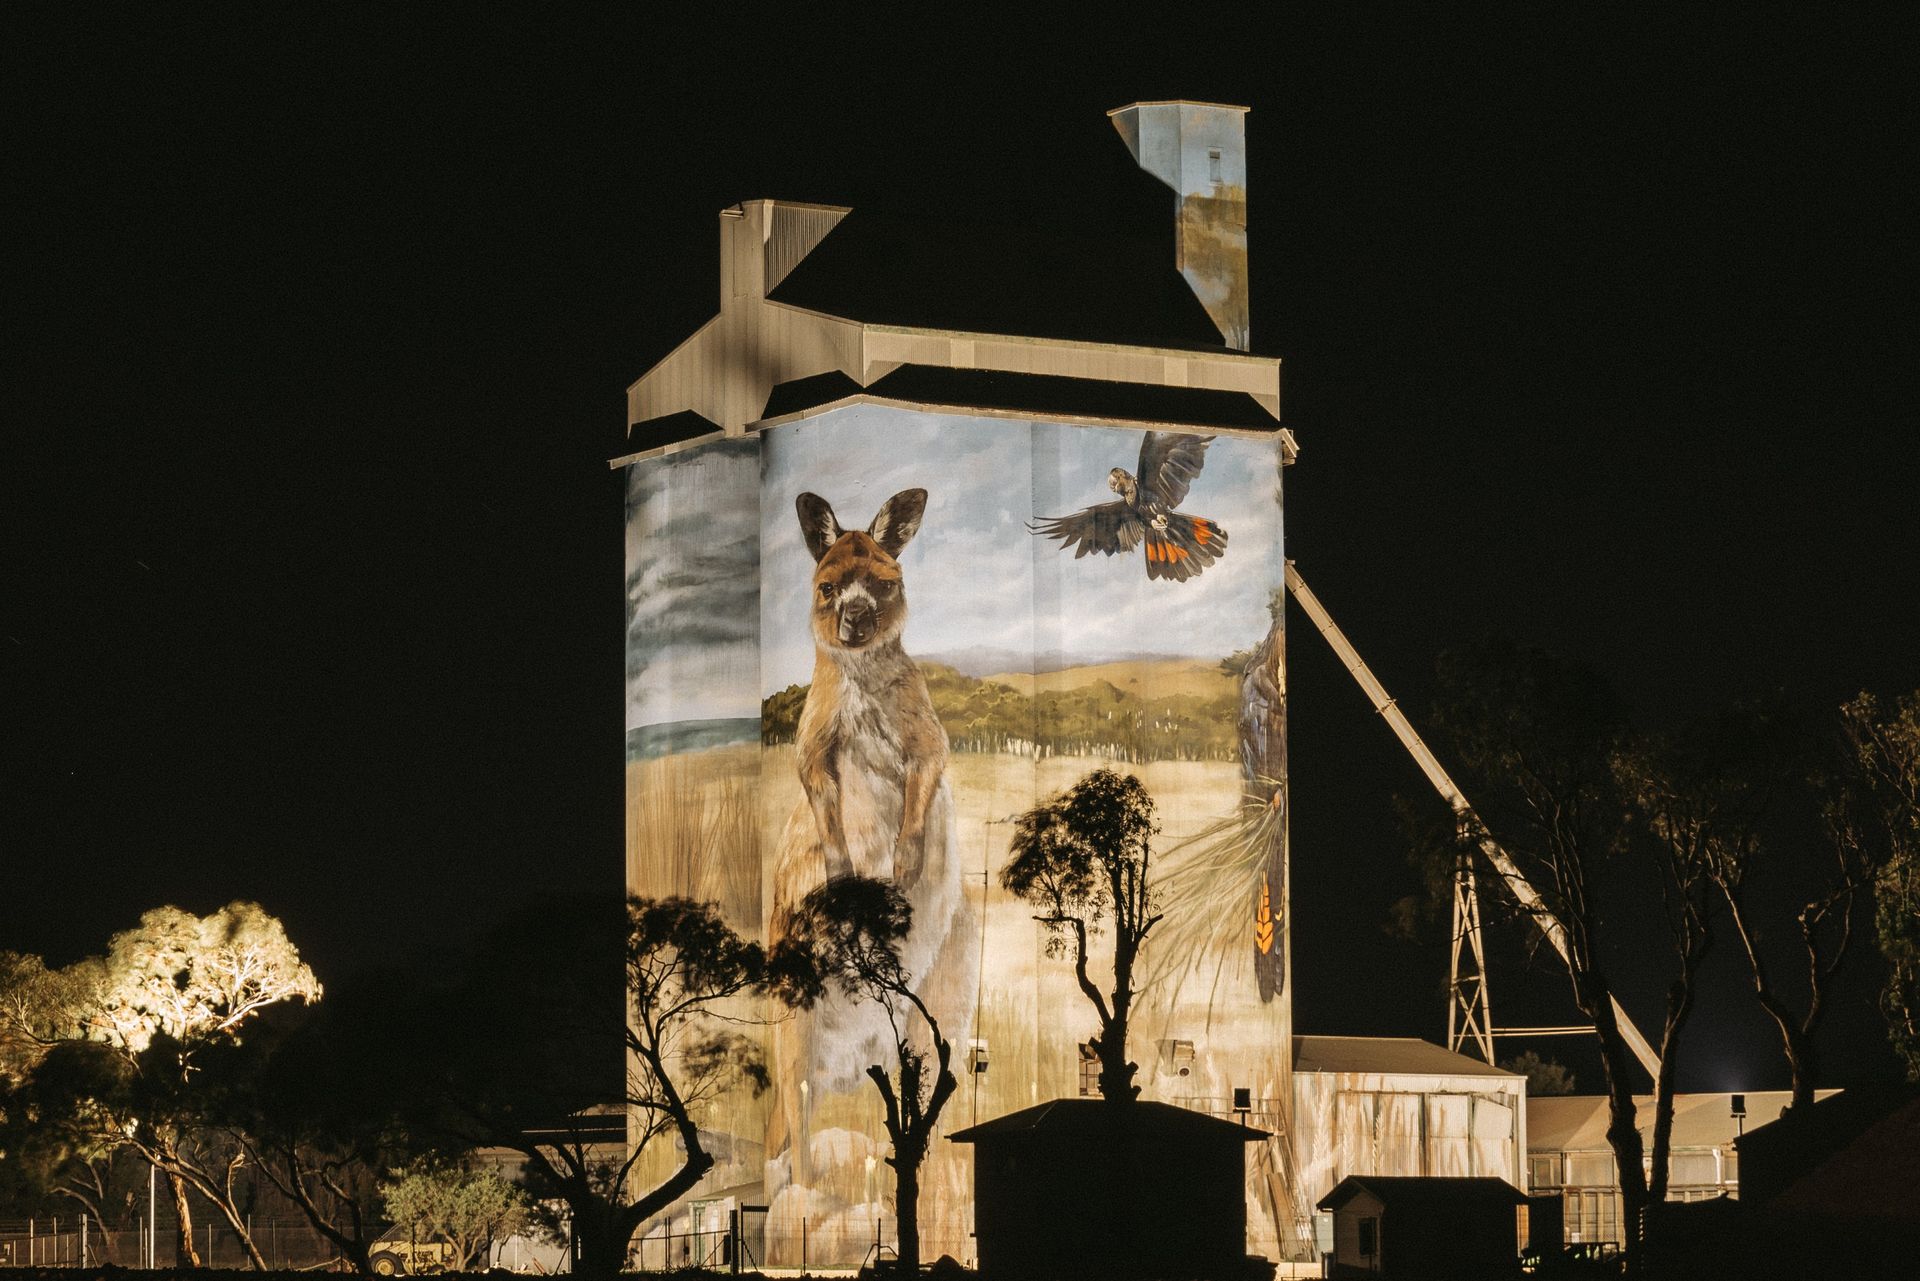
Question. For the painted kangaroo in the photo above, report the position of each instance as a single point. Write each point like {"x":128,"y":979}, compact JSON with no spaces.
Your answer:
{"x":872,"y":759}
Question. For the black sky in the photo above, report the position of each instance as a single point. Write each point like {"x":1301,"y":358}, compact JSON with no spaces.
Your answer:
{"x":318,"y":324}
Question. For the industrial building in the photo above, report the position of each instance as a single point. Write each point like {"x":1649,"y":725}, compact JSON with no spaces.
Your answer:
{"x":914,"y":476}
{"x":1568,"y":1153}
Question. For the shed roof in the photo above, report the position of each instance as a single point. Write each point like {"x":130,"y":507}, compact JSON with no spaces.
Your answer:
{"x":1578,"y":1122}
{"x":1443,"y":1194}
{"x":1852,"y":1156}
{"x":1387,"y":1055}
{"x":1090,"y":1117}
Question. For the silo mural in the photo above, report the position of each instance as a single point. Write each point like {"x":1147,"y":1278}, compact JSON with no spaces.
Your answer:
{"x":868,"y":639}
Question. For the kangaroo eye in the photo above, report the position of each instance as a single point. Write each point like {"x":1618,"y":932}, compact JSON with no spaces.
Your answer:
{"x":826,"y":591}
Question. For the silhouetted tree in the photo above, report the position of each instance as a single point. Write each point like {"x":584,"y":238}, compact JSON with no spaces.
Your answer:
{"x":1700,"y":793}
{"x":1737,"y":767}
{"x":848,"y":933}
{"x":530,"y":1058}
{"x":1537,"y":738}
{"x":1884,"y":743}
{"x":322,"y":1115}
{"x":1083,"y":860}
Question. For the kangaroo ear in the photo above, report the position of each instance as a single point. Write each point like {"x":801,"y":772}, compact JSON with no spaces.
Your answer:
{"x":817,"y":524}
{"x":898,"y":520}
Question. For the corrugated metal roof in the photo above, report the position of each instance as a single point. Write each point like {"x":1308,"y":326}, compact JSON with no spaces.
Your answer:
{"x":1578,"y":1122}
{"x":1388,"y":1055}
{"x":1090,"y":1116}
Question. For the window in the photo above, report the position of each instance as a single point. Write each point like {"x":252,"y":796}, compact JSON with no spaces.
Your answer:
{"x":1089,"y":1071}
{"x":1369,"y":1236}
{"x":1213,"y":165}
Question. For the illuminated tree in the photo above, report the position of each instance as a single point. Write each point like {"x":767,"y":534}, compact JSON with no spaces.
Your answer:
{"x":197,"y":979}
{"x":1082,"y":860}
{"x":848,"y":932}
{"x":465,"y":1207}
{"x":48,"y":1147}
{"x":169,"y":999}
{"x":39,"y":1008}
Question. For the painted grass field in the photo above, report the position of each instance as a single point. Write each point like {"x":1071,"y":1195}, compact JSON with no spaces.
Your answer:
{"x":698,"y":824}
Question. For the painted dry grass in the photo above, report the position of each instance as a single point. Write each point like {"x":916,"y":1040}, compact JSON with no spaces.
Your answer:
{"x":699,"y":823}
{"x":693,"y":829}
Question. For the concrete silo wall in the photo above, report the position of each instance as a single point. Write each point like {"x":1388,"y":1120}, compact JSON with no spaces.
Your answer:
{"x":1038,"y":665}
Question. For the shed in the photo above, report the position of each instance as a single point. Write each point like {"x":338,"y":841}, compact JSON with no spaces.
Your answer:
{"x":1082,"y":1187}
{"x":1424,"y":1227}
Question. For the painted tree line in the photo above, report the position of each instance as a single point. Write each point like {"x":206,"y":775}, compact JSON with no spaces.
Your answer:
{"x":1789,"y":840}
{"x":1098,"y":719}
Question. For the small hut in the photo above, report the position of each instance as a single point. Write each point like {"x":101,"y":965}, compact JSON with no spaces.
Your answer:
{"x":1423,"y":1227}
{"x":1082,"y":1187}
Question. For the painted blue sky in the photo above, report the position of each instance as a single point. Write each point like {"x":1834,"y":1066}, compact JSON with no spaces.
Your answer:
{"x":976,"y":579}
{"x":718,"y":580}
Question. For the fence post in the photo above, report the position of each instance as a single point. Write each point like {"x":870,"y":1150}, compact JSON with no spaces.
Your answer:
{"x":83,"y":1240}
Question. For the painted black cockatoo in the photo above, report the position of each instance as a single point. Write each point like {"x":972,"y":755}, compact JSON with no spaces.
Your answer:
{"x":1178,"y":546}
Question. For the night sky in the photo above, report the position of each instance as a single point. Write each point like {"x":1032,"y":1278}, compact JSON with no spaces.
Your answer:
{"x":318,"y":328}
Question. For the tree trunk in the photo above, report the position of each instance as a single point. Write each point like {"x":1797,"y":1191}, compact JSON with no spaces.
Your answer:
{"x":1804,"y":1060}
{"x":1662,"y":1126}
{"x":1623,"y":1134}
{"x":906,"y":1177}
{"x":189,"y":1256}
{"x":1116,"y":1074}
{"x":238,"y":1223}
{"x":292,"y":1184}
{"x":601,"y":1237}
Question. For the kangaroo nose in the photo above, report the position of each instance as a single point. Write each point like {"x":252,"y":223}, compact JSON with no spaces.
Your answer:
{"x":856,"y":623}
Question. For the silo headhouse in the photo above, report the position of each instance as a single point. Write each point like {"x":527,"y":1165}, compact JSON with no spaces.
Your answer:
{"x":922,"y":527}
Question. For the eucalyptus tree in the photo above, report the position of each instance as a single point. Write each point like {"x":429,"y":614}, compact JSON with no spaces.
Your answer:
{"x":530,"y":1054}
{"x":848,"y":934}
{"x":1083,"y":861}
{"x":1883,"y":738}
{"x":145,"y":1050}
{"x":1535,"y":739}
